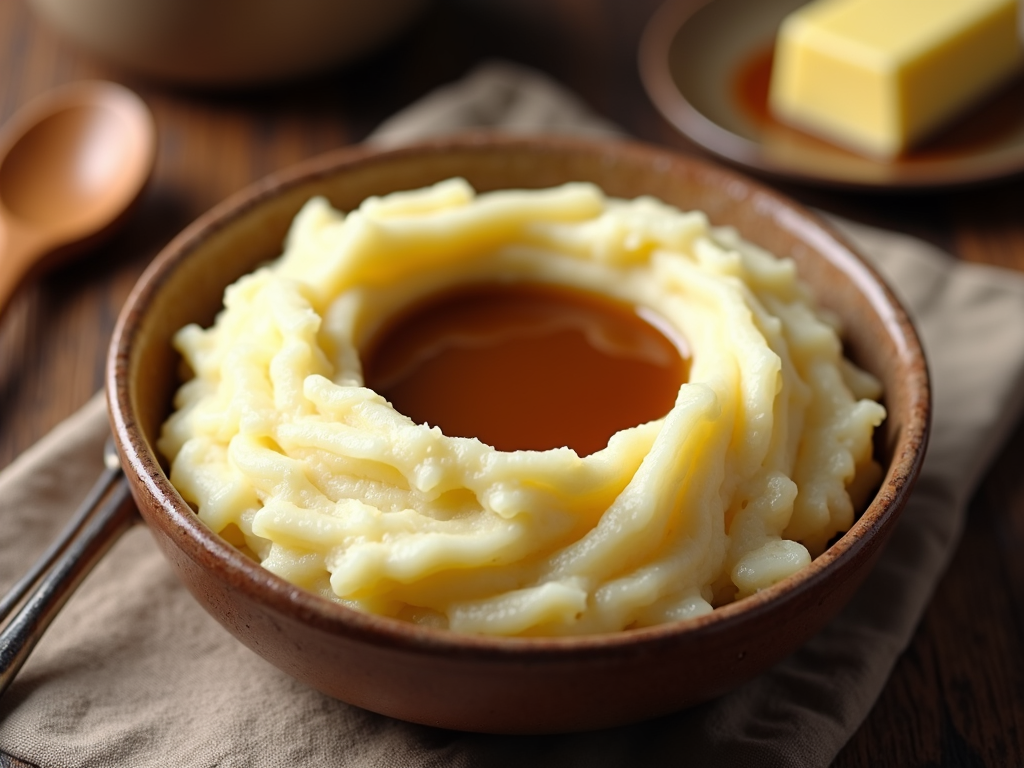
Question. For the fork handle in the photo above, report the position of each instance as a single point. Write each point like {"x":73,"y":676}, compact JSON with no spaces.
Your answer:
{"x":90,"y":542}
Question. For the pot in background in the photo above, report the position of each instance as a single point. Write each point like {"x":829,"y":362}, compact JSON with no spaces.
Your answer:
{"x":228,"y":42}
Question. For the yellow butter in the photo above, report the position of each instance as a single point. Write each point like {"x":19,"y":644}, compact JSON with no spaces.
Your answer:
{"x":880,"y":75}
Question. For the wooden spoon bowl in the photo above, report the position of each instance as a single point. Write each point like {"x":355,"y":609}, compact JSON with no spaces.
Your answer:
{"x":495,"y":684}
{"x":72,"y":163}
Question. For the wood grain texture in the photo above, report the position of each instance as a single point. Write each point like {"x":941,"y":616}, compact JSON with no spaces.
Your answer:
{"x":956,"y":696}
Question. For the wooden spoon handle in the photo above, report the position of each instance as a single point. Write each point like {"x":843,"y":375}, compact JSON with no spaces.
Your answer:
{"x":20,"y":251}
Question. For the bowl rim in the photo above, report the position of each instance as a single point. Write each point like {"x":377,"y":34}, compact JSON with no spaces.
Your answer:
{"x":196,"y":541}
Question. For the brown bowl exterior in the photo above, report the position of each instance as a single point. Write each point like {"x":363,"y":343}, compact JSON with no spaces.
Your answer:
{"x":504,"y":685}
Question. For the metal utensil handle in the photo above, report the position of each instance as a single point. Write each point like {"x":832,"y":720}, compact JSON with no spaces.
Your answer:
{"x":62,"y":568}
{"x":99,"y":489}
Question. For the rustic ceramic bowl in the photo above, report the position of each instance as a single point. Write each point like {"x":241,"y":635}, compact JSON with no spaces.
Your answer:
{"x":510,"y":685}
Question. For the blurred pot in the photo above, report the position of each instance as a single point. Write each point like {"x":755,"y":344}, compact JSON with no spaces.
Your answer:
{"x":228,"y":42}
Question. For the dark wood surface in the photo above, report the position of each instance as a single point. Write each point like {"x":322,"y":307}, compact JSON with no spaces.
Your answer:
{"x":956,"y":697}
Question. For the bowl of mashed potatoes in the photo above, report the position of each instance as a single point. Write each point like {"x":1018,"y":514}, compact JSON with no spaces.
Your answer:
{"x":517,"y":435}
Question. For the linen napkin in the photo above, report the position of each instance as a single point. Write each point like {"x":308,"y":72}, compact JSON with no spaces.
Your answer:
{"x":135,"y":673}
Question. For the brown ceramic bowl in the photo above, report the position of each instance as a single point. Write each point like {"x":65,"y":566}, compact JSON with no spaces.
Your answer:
{"x":494,"y":684}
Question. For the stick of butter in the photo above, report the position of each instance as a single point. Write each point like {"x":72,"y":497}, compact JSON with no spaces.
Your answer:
{"x":878,"y":76}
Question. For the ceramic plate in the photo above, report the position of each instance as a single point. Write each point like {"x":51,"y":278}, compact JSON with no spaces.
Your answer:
{"x":706,"y":66}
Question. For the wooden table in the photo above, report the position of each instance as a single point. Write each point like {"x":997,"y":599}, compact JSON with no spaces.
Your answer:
{"x":956,"y":697}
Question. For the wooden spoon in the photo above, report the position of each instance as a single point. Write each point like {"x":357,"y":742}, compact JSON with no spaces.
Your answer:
{"x":71,"y":164}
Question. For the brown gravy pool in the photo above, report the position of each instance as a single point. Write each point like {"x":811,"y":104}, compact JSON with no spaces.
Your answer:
{"x":526,"y":366}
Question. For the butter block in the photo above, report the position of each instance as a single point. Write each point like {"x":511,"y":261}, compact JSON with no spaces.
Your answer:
{"x":878,"y":76}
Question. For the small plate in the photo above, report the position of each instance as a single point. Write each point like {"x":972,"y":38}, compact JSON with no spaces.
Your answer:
{"x":706,"y":67}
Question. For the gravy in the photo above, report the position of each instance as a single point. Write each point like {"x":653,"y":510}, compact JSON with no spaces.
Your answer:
{"x":527,"y":366}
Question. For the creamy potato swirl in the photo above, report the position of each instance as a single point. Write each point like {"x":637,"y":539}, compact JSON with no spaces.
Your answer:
{"x":279,"y":447}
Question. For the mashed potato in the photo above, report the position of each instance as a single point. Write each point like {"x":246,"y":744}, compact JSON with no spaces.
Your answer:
{"x":281,"y":449}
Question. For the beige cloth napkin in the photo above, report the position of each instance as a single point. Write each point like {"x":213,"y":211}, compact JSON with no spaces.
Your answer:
{"x":134,"y":673}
